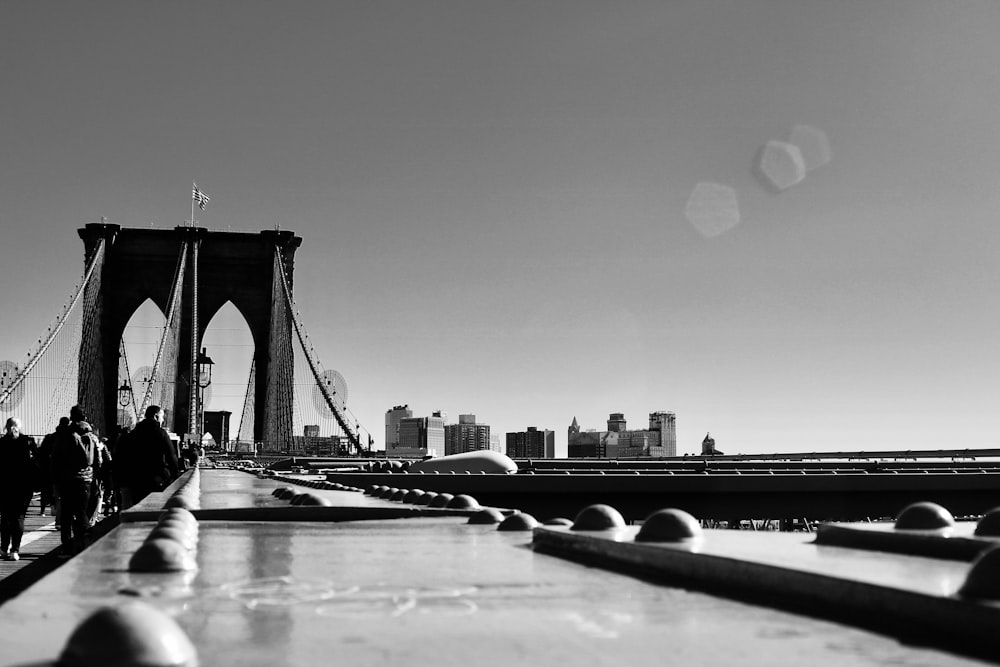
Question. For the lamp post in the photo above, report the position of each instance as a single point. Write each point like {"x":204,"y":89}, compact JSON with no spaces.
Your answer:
{"x":125,"y":394}
{"x":124,"y":398}
{"x":205,"y":364}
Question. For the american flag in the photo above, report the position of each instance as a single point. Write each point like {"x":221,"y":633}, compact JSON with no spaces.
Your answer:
{"x":199,"y":197}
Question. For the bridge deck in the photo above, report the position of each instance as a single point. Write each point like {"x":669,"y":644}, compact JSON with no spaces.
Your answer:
{"x":438,"y":591}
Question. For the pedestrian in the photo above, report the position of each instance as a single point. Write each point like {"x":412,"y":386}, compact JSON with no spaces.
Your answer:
{"x":119,"y":468}
{"x":49,"y":497}
{"x":73,"y":472}
{"x":102,"y":471}
{"x":150,"y":457}
{"x":18,"y":476}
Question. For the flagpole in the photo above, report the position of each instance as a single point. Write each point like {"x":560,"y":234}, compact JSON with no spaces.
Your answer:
{"x":193,"y":186}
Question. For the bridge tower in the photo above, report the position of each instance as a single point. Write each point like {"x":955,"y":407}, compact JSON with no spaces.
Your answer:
{"x":229,"y":266}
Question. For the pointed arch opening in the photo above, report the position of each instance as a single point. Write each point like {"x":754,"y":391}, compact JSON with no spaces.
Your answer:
{"x":140,"y":340}
{"x":229,"y":342}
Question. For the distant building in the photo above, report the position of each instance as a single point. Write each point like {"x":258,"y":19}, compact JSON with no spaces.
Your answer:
{"x":660,"y":439}
{"x":531,"y":444}
{"x":217,"y":423}
{"x":708,"y":446}
{"x":419,"y":437}
{"x":468,"y":436}
{"x":392,"y":418}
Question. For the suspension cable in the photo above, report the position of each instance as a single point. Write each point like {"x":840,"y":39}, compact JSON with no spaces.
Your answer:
{"x":352,"y":436}
{"x":98,"y":253}
{"x":171,"y":308}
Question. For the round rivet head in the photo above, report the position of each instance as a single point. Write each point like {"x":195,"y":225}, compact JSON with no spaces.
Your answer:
{"x":387,"y":492}
{"x":924,"y":516}
{"x":412,"y":495}
{"x":983,"y":580}
{"x":669,"y":525}
{"x":370,"y":491}
{"x":398,"y":495}
{"x":518,"y":521}
{"x":178,"y":514}
{"x":286,"y":493}
{"x":183,"y":526}
{"x":298,"y":498}
{"x":313,"y":499}
{"x":425,"y":498}
{"x":132,"y":633}
{"x":185,"y":538}
{"x":989,"y":525}
{"x":463,"y":502}
{"x":558,"y":521}
{"x":182,"y":500}
{"x":598,"y":517}
{"x":441,"y":500}
{"x":487,"y":515}
{"x":278,"y":491}
{"x":161,"y":555}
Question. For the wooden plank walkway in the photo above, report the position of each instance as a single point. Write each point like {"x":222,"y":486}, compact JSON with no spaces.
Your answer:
{"x":39,"y":551}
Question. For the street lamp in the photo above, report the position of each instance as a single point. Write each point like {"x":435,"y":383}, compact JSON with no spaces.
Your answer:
{"x":125,"y":394}
{"x":205,"y":364}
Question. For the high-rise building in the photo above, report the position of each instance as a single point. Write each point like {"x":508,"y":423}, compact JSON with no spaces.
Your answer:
{"x":660,"y":439}
{"x":531,"y":444}
{"x":467,"y":436}
{"x":392,"y":418}
{"x":419,"y":436}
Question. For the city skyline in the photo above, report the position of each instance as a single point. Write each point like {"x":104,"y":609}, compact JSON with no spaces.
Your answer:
{"x":775,"y":218}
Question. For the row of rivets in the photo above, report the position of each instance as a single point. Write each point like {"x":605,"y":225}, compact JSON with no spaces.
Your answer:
{"x":188,"y":494}
{"x":317,"y":484}
{"x":170,"y":545}
{"x":983,"y":579}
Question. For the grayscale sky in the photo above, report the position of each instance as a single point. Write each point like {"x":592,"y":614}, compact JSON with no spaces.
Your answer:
{"x":496,"y":199}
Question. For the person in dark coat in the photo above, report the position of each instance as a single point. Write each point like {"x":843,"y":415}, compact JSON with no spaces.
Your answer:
{"x":44,"y":466}
{"x":18,"y":476}
{"x":150,"y":458}
{"x":73,"y":473}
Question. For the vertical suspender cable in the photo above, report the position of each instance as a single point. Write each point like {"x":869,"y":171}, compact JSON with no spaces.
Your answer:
{"x":193,"y":385}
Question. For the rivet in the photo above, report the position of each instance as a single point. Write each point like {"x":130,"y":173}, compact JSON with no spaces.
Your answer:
{"x":161,"y":555}
{"x":440,"y":500}
{"x":131,"y":633}
{"x":669,"y":525}
{"x":425,"y":498}
{"x":989,"y":525}
{"x":983,"y":579}
{"x":463,"y":502}
{"x":412,"y":495}
{"x":487,"y":515}
{"x":558,"y":521}
{"x":518,"y":521}
{"x":598,"y":517}
{"x":924,"y":516}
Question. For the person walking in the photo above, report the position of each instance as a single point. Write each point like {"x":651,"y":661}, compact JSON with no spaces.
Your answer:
{"x":49,"y":496}
{"x":73,"y":473}
{"x":150,"y":460}
{"x":18,"y":476}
